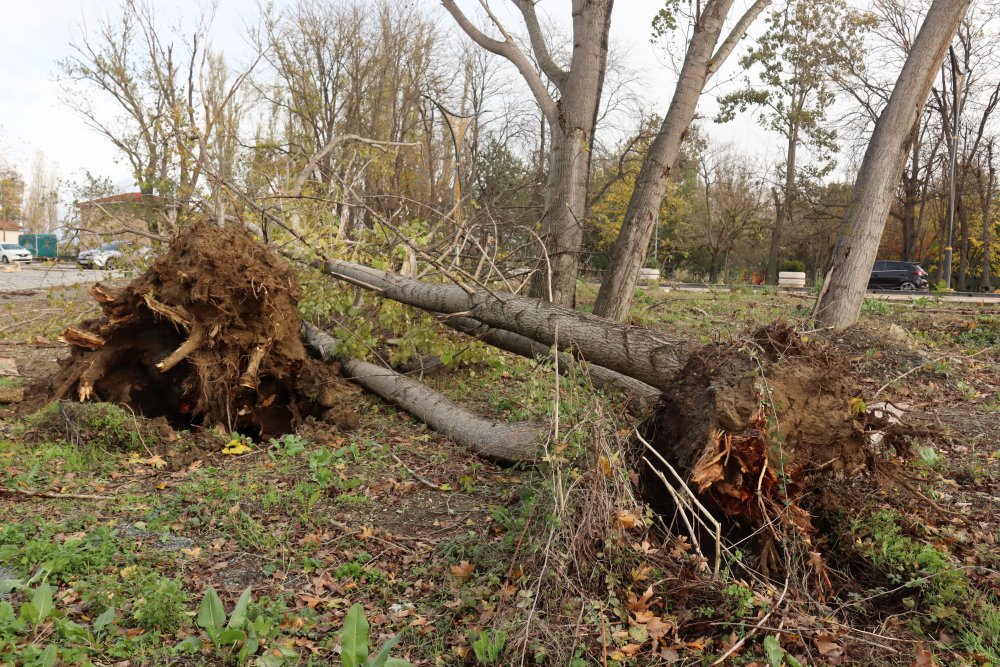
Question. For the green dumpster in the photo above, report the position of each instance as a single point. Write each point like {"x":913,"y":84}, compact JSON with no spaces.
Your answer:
{"x":41,"y":246}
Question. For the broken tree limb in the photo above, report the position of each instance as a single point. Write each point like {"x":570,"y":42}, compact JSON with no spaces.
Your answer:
{"x":83,"y":339}
{"x":524,"y":346}
{"x":186,"y":348}
{"x":633,"y":351}
{"x":502,"y":442}
{"x":249,"y":377}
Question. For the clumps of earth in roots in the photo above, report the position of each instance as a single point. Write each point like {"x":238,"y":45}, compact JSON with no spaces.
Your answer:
{"x":208,"y":336}
{"x":759,"y":428}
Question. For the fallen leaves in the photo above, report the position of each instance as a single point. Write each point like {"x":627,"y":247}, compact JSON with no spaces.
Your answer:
{"x":923,"y":657}
{"x":155,"y":461}
{"x":236,"y":447}
{"x":463,"y":570}
{"x":627,"y":519}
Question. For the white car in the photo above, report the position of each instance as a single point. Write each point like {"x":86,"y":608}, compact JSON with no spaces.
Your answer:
{"x":12,"y":252}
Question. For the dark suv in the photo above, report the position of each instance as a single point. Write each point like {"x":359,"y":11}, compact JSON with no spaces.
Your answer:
{"x":897,"y":275}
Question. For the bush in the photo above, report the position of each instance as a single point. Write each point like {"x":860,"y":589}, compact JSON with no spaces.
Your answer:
{"x":103,"y":426}
{"x":792,"y":265}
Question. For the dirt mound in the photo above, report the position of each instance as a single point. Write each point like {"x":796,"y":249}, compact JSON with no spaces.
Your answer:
{"x":748,"y":423}
{"x":208,"y":335}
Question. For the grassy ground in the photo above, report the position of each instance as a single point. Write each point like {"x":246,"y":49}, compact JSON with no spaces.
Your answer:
{"x":471,"y":564}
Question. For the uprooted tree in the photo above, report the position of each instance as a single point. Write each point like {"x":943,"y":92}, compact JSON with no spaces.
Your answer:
{"x":210,"y":336}
{"x":207,"y":336}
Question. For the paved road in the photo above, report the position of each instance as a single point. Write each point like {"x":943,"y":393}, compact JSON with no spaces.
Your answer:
{"x":38,"y":276}
{"x":886,"y":295}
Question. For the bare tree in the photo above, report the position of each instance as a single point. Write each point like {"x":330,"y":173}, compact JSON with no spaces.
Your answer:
{"x":733,"y":205}
{"x":571,"y":120}
{"x":704,"y":56}
{"x":839,"y":302}
{"x":41,"y":208}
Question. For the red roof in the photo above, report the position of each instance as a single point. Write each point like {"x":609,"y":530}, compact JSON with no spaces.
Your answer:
{"x":8,"y":226}
{"x":124,"y":198}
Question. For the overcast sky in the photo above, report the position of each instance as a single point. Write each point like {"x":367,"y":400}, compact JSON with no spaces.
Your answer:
{"x":35,"y":35}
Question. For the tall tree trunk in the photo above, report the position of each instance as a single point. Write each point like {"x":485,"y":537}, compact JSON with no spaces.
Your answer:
{"x":987,"y":234}
{"x":839,"y":303}
{"x":908,"y":219}
{"x":700,"y":62}
{"x":714,"y":275}
{"x":562,"y":220}
{"x":782,"y":213}
{"x":987,"y":193}
{"x":963,"y":243}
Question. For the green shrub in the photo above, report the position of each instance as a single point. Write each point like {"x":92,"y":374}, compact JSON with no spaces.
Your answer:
{"x":102,"y":426}
{"x":792,"y":265}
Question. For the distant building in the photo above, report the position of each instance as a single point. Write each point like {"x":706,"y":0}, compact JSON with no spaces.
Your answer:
{"x":9,"y":231}
{"x":111,"y":217}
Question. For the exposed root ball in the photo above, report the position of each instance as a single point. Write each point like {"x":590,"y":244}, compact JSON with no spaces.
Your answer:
{"x":209,"y":335}
{"x":749,"y":424}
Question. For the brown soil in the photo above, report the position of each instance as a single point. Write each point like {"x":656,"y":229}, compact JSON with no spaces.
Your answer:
{"x":751,"y":423}
{"x":209,"y":336}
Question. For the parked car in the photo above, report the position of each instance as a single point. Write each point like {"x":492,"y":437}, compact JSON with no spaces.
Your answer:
{"x":887,"y":274}
{"x":12,"y":252}
{"x":105,"y":257}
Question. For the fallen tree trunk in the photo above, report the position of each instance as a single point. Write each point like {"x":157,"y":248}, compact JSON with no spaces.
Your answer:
{"x":635,"y":352}
{"x":524,"y":346}
{"x":505,"y":443}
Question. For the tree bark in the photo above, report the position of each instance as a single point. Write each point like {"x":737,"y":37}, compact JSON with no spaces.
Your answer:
{"x":911,"y":189}
{"x":502,"y":442}
{"x":963,"y":243}
{"x":562,"y":219}
{"x":636,"y":352}
{"x":987,"y":194}
{"x":521,"y":345}
{"x":839,"y":303}
{"x":700,"y":62}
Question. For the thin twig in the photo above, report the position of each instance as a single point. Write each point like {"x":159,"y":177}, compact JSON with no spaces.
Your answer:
{"x":417,"y":477}
{"x":708,"y":515}
{"x":51,"y":494}
{"x":925,"y":364}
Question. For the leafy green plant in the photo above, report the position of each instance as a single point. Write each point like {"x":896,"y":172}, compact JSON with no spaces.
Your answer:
{"x":26,"y":625}
{"x":58,"y":561}
{"x":875,"y":307}
{"x":354,"y":644}
{"x":288,"y":445}
{"x":488,"y":647}
{"x":238,"y":639}
{"x":323,"y":462}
